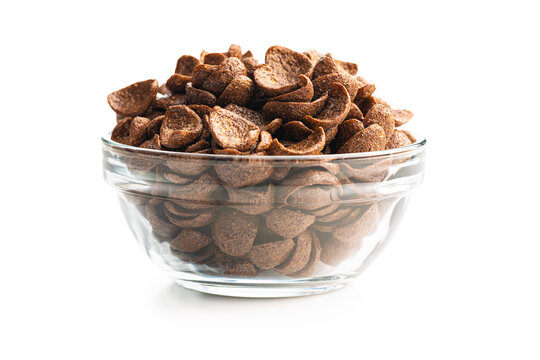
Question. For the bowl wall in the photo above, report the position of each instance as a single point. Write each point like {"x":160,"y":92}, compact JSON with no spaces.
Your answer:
{"x":262,"y":226}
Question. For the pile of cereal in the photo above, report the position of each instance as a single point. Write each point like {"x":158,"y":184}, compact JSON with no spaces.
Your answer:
{"x":228,"y":103}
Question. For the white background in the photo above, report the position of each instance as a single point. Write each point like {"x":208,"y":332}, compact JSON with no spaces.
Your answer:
{"x":461,"y":280}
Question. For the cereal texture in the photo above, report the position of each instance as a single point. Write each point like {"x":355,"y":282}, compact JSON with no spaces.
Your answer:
{"x":237,"y":214}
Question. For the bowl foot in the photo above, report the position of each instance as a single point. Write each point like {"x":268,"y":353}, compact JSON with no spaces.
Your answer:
{"x":266,"y":289}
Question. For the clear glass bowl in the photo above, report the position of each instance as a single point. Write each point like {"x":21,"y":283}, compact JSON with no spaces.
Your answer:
{"x":262,"y":226}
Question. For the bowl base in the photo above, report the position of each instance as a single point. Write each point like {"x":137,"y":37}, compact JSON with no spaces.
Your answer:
{"x":265,"y":289}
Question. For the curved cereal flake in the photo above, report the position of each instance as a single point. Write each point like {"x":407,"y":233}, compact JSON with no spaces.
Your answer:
{"x":325,"y":65}
{"x":362,"y":226}
{"x":349,"y":67}
{"x":264,"y":142}
{"x":334,"y":251}
{"x":218,"y":150}
{"x":381,"y":115}
{"x":269,"y":255}
{"x":198,"y":221}
{"x":303,"y":94}
{"x":156,"y":218}
{"x":255,"y":117}
{"x":288,"y":62}
{"x":311,"y":145}
{"x":271,"y":82}
{"x":214,"y":58}
{"x":355,"y":113}
{"x":365,"y":90}
{"x":170,"y":100}
{"x":201,"y":190}
{"x":201,"y":110}
{"x":397,"y":140}
{"x":239,"y":91}
{"x":306,"y":178}
{"x":178,"y":82}
{"x":402,"y":117}
{"x":296,"y":130}
{"x":190,"y":241}
{"x":138,"y":130}
{"x":199,"y":145}
{"x":185,"y":65}
{"x":366,"y":104}
{"x":248,"y":54}
{"x":370,"y":139}
{"x":154,"y":143}
{"x":273,"y":126}
{"x":326,"y":210}
{"x":201,"y":73}
{"x":375,"y":172}
{"x":288,"y":223}
{"x":313,"y":55}
{"x":181,"y":126}
{"x":251,"y":65}
{"x":280,"y":172}
{"x":346,"y":130}
{"x":334,"y":216}
{"x":177,"y":210}
{"x":133,"y":99}
{"x":291,"y":111}
{"x":409,"y":135}
{"x":120,"y":132}
{"x":310,"y":198}
{"x":200,"y":97}
{"x":232,"y":131}
{"x":225,"y":72}
{"x":176,"y":178}
{"x":324,"y":83}
{"x":237,"y":267}
{"x":251,"y":200}
{"x":243,"y":172}
{"x":235,"y":51}
{"x":330,"y":135}
{"x":234,"y":232}
{"x":314,"y":258}
{"x":300,"y":255}
{"x":187,"y":166}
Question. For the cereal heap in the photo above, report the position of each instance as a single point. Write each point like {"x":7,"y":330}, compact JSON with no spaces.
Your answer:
{"x":228,"y":103}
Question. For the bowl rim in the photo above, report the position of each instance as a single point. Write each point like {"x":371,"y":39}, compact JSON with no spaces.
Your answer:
{"x":418,"y":145}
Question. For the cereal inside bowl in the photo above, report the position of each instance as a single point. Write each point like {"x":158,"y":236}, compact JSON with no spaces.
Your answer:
{"x":261,"y":180}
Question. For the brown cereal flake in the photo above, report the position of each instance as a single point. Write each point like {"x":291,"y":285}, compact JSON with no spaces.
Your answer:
{"x":225,"y":72}
{"x":234,"y":232}
{"x":347,"y":129}
{"x":185,"y":65}
{"x":291,"y":111}
{"x":190,"y":241}
{"x":232,"y":131}
{"x":311,"y":145}
{"x":402,"y":116}
{"x":134,"y":99}
{"x":198,"y":96}
{"x":381,"y":115}
{"x":181,"y":127}
{"x":271,"y":254}
{"x":300,"y":255}
{"x":239,"y":91}
{"x":296,"y":131}
{"x":288,"y":223}
{"x":398,"y":139}
{"x":371,"y":138}
{"x":251,"y":200}
{"x":178,"y":83}
{"x":334,"y":111}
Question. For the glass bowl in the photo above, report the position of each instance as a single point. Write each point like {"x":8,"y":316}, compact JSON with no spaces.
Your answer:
{"x":262,"y":226}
